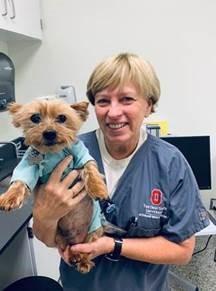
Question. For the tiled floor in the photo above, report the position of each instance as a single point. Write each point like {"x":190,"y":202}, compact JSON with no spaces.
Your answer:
{"x":201,"y":271}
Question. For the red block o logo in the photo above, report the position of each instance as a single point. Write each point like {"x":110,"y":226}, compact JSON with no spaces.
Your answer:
{"x":156,"y":197}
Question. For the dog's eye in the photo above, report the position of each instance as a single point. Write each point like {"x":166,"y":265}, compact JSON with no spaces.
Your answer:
{"x":61,"y":118}
{"x":36,"y":118}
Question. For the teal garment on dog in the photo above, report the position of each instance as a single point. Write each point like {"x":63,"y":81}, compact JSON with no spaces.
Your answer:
{"x":36,"y":167}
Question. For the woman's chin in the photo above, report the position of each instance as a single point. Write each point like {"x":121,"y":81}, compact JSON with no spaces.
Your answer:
{"x":119,"y":139}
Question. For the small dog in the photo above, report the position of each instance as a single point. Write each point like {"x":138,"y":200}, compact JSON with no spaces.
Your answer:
{"x":50,"y":129}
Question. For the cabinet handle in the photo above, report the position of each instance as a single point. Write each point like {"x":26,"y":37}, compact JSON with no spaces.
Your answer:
{"x":13,"y":15}
{"x":4,"y":4}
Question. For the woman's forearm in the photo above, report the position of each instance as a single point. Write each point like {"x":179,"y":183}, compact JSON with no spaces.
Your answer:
{"x":158,"y":250}
{"x":155,"y":250}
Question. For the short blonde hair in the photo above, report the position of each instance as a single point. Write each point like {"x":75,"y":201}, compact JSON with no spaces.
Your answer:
{"x":119,"y":69}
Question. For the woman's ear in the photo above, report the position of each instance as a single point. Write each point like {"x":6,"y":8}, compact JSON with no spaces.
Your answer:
{"x":81,"y":109}
{"x":149,"y":109}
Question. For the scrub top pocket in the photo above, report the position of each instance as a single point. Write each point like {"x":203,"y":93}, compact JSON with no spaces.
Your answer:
{"x":144,"y":227}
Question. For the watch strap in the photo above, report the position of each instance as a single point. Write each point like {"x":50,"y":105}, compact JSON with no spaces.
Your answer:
{"x":116,"y":253}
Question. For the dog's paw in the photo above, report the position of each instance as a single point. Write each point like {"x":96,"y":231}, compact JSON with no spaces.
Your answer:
{"x":85,"y":266}
{"x":96,"y":188}
{"x":94,"y":181}
{"x":14,"y":197}
{"x":8,"y":203}
{"x":74,"y":259}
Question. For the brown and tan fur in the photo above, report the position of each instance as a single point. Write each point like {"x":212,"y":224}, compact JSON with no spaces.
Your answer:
{"x":73,"y":228}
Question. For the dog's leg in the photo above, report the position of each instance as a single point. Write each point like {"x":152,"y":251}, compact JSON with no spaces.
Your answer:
{"x":14,"y":196}
{"x":94,"y":183}
{"x":84,"y":263}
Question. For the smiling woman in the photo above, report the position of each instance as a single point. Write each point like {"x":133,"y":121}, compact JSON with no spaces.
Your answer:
{"x":148,"y":182}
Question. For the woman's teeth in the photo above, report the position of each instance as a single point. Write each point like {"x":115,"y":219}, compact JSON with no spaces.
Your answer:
{"x":116,"y":125}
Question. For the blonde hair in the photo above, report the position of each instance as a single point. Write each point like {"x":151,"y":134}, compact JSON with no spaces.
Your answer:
{"x":119,"y":69}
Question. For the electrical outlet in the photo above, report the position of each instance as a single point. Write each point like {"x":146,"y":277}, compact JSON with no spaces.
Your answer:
{"x":212,"y":204}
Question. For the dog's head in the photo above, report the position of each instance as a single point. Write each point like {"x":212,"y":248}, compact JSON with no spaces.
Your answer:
{"x":49,"y":125}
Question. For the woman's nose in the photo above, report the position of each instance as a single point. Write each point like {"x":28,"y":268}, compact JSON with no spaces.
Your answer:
{"x":115,"y":110}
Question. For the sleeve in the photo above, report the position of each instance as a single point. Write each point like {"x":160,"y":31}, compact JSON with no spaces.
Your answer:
{"x":96,"y":217}
{"x":186,"y":213}
{"x":26,"y":172}
{"x":80,"y":154}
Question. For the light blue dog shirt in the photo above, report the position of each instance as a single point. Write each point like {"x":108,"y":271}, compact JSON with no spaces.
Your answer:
{"x":36,"y":167}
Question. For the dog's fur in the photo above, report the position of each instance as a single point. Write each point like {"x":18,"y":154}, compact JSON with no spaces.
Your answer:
{"x":73,"y":228}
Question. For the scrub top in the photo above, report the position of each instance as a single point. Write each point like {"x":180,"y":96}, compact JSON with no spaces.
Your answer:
{"x":157,"y":195}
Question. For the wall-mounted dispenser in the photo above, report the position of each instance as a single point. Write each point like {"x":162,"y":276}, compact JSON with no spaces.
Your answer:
{"x":7,"y":81}
{"x":67,"y":93}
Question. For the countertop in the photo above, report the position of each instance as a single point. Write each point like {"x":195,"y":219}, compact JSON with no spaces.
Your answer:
{"x":7,"y":168}
{"x":13,"y":221}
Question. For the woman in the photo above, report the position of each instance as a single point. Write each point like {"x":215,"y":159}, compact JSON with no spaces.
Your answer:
{"x":153,"y":193}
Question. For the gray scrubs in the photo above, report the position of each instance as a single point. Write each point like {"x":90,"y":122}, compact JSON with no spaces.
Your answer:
{"x":157,"y":195}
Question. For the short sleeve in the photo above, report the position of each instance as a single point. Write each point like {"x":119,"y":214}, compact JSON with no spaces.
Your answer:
{"x":81,"y":154}
{"x":26,"y":172}
{"x":186,"y":213}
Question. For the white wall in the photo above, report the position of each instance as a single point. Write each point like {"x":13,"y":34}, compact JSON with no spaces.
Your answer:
{"x":178,"y":37}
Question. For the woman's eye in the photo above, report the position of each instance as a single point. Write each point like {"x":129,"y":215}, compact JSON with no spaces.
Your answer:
{"x":61,"y":118}
{"x":127,"y":100}
{"x":102,"y":102}
{"x":35,"y":118}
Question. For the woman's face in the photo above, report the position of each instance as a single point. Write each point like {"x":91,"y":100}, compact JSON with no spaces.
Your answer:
{"x":120,"y":114}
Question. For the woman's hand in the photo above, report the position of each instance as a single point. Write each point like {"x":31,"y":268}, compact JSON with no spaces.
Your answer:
{"x":54,"y":200}
{"x":101,"y":246}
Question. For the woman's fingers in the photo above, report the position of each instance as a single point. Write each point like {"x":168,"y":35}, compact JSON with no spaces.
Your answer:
{"x":75,"y":200}
{"x":58,"y":171}
{"x":65,"y":254}
{"x":56,"y":195}
{"x":77,"y":188}
{"x":70,"y":178}
{"x":56,"y":177}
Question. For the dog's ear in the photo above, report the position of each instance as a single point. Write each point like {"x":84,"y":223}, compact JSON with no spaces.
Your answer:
{"x":81,"y":109}
{"x":13,"y":109}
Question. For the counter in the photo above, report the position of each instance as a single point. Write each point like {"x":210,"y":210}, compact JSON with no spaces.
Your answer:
{"x":12,"y":222}
{"x":16,"y":248}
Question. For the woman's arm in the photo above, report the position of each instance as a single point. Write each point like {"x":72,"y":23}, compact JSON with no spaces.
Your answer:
{"x":54,"y":200}
{"x":155,"y":250}
{"x":159,"y":250}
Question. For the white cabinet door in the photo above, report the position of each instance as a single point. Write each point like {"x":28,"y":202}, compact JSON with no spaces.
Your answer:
{"x":5,"y":21}
{"x":21,"y":16}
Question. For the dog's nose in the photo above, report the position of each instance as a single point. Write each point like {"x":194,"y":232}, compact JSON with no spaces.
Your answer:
{"x":49,"y":135}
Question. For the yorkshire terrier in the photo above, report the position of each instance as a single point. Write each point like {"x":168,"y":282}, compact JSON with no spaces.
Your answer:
{"x":50,"y":129}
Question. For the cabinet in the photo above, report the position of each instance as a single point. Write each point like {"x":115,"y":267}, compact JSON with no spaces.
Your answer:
{"x":17,"y":259}
{"x":20,"y":17}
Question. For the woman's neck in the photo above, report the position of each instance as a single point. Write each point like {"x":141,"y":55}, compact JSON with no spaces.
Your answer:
{"x":120,"y":151}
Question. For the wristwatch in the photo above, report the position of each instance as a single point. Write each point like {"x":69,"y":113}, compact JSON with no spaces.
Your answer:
{"x":116,"y":253}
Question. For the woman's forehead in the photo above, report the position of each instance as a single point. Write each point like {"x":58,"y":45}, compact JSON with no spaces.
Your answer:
{"x":127,"y":88}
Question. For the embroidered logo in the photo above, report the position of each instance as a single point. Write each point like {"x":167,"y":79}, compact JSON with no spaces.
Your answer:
{"x":156,"y":197}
